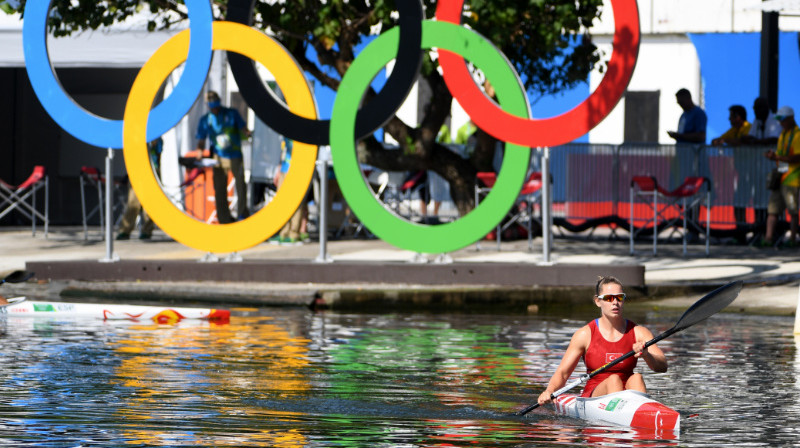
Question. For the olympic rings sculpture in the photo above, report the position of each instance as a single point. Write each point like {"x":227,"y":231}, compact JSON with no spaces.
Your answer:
{"x":99,"y":131}
{"x":511,"y":121}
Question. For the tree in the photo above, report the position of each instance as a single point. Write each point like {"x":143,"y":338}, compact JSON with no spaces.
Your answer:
{"x":548,"y":41}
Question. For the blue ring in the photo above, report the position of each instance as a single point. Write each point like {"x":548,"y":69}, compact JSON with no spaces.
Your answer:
{"x":99,"y":131}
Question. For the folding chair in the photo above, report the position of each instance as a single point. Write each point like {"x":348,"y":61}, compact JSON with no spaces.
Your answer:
{"x":414,"y":182}
{"x":91,"y":177}
{"x":183,"y":198}
{"x":187,"y":186}
{"x":675,"y":205}
{"x":486,"y":180}
{"x":351,"y":221}
{"x":16,"y":198}
{"x":530,"y":194}
{"x":233,"y":200}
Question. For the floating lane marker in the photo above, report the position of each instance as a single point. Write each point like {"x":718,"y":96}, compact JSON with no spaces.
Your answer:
{"x":158,"y":314}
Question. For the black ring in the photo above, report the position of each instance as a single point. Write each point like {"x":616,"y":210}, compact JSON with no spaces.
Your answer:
{"x":372,"y":116}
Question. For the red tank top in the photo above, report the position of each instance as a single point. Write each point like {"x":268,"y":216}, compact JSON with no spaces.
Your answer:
{"x":602,"y":351}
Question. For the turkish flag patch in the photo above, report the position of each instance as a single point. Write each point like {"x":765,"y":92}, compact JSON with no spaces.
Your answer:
{"x":612,"y":356}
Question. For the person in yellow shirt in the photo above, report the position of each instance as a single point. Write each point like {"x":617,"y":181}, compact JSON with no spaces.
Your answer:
{"x":739,"y":127}
{"x":742,"y":163}
{"x":787,"y":159}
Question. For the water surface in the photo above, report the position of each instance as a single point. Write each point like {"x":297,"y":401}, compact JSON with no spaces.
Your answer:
{"x":294,"y":378}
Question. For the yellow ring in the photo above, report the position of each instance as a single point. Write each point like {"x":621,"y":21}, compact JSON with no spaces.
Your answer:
{"x":183,"y":228}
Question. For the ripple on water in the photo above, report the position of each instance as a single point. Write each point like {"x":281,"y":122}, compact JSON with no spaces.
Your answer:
{"x":298,"y":379}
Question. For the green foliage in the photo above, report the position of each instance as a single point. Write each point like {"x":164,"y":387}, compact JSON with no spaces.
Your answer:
{"x":6,"y":7}
{"x":68,"y":16}
{"x":548,"y":41}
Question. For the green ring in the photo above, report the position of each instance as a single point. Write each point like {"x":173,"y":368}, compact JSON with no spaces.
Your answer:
{"x":371,"y":211}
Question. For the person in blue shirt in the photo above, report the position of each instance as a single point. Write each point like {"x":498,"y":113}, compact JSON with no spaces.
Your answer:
{"x":693,"y":121}
{"x":691,"y":158}
{"x":224,"y":127}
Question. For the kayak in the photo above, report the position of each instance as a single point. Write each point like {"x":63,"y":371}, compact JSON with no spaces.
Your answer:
{"x":626,"y":408}
{"x":18,"y":306}
{"x":12,"y":301}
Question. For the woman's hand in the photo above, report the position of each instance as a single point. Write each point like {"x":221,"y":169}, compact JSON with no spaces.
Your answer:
{"x":640,"y":349}
{"x":545,"y":397}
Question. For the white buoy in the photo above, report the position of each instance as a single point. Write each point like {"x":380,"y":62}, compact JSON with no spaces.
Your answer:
{"x":797,"y":315}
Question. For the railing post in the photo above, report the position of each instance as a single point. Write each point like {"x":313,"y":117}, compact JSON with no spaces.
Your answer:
{"x":110,"y":256}
{"x":615,"y":193}
{"x":322,"y":172}
{"x":546,"y":206}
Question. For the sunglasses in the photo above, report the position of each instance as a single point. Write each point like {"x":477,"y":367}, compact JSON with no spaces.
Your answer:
{"x":610,"y":297}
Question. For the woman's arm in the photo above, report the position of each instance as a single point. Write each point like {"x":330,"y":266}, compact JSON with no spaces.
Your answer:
{"x":576,"y":349}
{"x":652,"y":355}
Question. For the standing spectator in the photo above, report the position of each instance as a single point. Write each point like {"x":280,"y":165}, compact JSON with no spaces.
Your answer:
{"x":742,"y":162}
{"x":740,"y":127}
{"x":224,"y":127}
{"x":764,"y":131}
{"x":693,"y":121}
{"x":134,"y":207}
{"x":690,"y":156}
{"x":766,"y":128}
{"x":787,"y":160}
{"x":294,"y":232}
{"x":690,"y":137}
{"x":438,"y":188}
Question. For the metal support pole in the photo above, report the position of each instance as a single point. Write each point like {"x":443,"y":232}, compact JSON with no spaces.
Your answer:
{"x":615,"y":180}
{"x":630,"y":218}
{"x":46,"y":205}
{"x":322,"y":172}
{"x":110,"y":256}
{"x":547,"y":215}
{"x":768,"y":73}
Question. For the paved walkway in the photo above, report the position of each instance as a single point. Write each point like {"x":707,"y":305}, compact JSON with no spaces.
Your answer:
{"x":771,"y":276}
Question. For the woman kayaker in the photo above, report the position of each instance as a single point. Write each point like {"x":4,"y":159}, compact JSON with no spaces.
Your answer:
{"x":603,"y":340}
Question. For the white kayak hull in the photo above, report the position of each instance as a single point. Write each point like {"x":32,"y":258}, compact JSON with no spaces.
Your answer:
{"x":627,"y":408}
{"x":18,"y":306}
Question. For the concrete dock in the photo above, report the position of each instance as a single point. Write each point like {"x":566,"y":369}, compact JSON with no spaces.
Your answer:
{"x":368,"y":273}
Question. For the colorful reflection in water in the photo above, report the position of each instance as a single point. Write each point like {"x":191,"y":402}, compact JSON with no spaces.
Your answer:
{"x":293,"y":378}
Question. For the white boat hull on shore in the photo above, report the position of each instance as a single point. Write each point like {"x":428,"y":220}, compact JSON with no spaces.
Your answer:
{"x":627,"y":408}
{"x":18,"y":306}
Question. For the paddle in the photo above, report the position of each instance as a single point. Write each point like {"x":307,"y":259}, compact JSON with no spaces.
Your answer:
{"x":710,"y":304}
{"x":17,"y":277}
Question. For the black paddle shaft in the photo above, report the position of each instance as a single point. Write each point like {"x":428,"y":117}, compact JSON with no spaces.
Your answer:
{"x":17,"y":277}
{"x":707,"y":306}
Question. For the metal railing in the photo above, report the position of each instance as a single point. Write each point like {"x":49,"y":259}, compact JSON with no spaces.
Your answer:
{"x":593,"y":180}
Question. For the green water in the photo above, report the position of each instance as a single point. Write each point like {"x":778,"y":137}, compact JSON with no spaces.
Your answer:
{"x":293,"y":378}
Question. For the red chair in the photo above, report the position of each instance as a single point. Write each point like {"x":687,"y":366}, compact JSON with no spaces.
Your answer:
{"x":414,"y":182}
{"x":486,"y":180}
{"x":186,"y":190}
{"x":674,"y":205}
{"x":16,"y":198}
{"x":523,"y":209}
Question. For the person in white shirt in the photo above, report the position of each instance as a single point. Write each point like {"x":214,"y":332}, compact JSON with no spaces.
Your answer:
{"x":766,"y":128}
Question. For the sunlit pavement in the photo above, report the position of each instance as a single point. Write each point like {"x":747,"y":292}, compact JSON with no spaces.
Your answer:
{"x":775,"y":272}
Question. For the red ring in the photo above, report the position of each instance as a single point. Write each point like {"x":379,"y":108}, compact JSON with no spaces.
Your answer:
{"x":552,"y":131}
